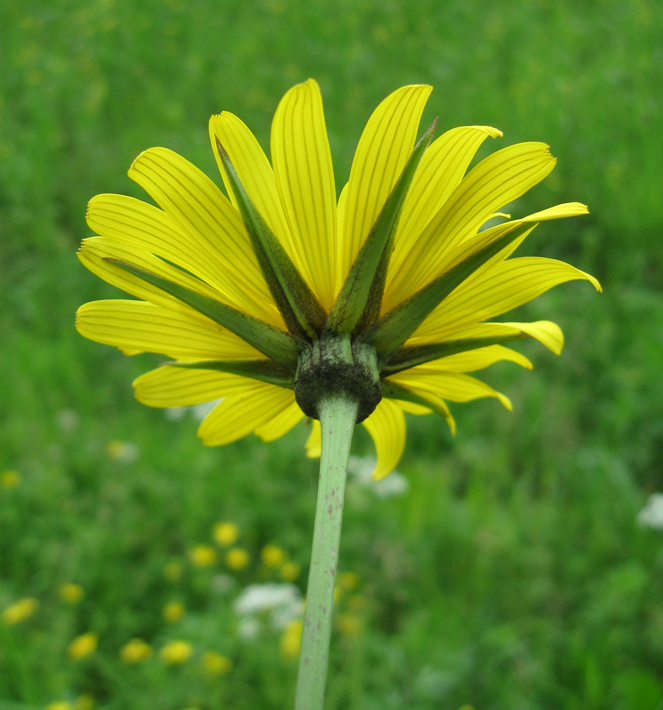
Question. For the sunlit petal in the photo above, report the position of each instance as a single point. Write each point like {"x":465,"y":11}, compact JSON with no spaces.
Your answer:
{"x":387,"y":429}
{"x":236,"y":417}
{"x":384,"y":148}
{"x":305,"y":179}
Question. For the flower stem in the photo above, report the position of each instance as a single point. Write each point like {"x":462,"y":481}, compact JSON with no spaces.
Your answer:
{"x":338,"y":415}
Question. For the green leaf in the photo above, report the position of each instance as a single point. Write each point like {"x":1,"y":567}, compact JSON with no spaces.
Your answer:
{"x":394,"y":328}
{"x":270,"y":341}
{"x":391,"y":390}
{"x":302,"y":312}
{"x":414,"y":355}
{"x":358,"y":303}
{"x":263,"y":370}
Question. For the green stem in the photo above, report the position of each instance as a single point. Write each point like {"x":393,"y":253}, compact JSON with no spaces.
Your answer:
{"x":338,"y":415}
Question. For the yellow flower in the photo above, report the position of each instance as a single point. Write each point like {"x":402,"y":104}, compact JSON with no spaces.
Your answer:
{"x":176,"y":653}
{"x":403,"y":267}
{"x":19,"y":611}
{"x":71,"y":593}
{"x":9,"y":479}
{"x":349,"y":625}
{"x":273,"y":556}
{"x":214,"y":664}
{"x":348,"y":581}
{"x":84,"y":702}
{"x":172,"y":571}
{"x":203,"y":556}
{"x":83,"y":646}
{"x":237,"y":558}
{"x":356,"y":602}
{"x":291,"y":639}
{"x":62,"y":705}
{"x":135,"y":651}
{"x":173,"y":612}
{"x":289,"y":571}
{"x":122,"y":451}
{"x":225,"y":534}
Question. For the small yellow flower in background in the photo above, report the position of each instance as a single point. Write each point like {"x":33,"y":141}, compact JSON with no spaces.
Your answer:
{"x":62,"y":705}
{"x":173,"y":612}
{"x":225,"y":534}
{"x":10,"y":479}
{"x":273,"y":556}
{"x":348,"y":581}
{"x":349,"y":624}
{"x":203,"y":556}
{"x":83,"y":646}
{"x":176,"y":653}
{"x":122,"y":451}
{"x":173,"y":571}
{"x":135,"y":651}
{"x":237,"y":558}
{"x":71,"y":593}
{"x":356,"y":602}
{"x":289,"y":571}
{"x":466,"y":707}
{"x":291,"y":640}
{"x":19,"y":611}
{"x":214,"y":664}
{"x":84,"y":702}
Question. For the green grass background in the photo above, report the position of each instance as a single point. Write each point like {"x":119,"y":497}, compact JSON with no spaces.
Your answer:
{"x":513,"y":575}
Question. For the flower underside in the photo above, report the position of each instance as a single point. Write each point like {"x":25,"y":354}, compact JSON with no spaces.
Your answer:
{"x":279,"y":296}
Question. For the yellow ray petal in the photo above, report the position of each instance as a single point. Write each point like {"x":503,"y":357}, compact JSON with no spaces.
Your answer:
{"x":437,"y":405}
{"x":236,"y":417}
{"x":497,"y":180}
{"x":143,"y":226}
{"x":545,"y":331}
{"x":387,"y":429}
{"x":95,"y":250}
{"x":501,"y":289}
{"x":341,"y":209}
{"x":255,"y":173}
{"x":305,"y":180}
{"x":137,"y":326}
{"x":180,"y":387}
{"x":201,"y":210}
{"x":384,"y":148}
{"x":455,"y":387}
{"x":439,"y":173}
{"x":469,"y":246}
{"x":314,"y":441}
{"x":478,"y":359}
{"x":282,"y":423}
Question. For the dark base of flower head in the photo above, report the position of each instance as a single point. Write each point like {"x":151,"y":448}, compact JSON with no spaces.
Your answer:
{"x":333,"y":367}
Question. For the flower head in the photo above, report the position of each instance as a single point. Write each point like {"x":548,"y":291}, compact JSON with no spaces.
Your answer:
{"x":176,"y":653}
{"x":272,"y":297}
{"x":71,"y":593}
{"x":225,"y":534}
{"x":173,"y":612}
{"x":203,"y":556}
{"x":273,"y":556}
{"x":82,"y":646}
{"x":214,"y":664}
{"x":237,"y":558}
{"x":10,"y":479}
{"x":135,"y":651}
{"x":20,"y":611}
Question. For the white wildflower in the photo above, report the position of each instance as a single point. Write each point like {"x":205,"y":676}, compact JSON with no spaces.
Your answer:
{"x":651,"y":516}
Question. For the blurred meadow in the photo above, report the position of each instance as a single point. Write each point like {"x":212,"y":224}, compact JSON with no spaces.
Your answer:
{"x":505,"y":568}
